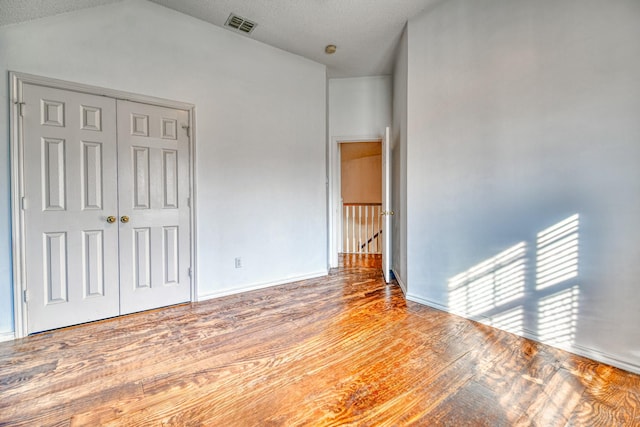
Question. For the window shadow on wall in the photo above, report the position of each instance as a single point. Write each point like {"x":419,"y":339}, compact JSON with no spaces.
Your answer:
{"x":496,"y":292}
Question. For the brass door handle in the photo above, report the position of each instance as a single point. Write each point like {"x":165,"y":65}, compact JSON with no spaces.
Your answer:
{"x":124,"y":219}
{"x":111,"y":219}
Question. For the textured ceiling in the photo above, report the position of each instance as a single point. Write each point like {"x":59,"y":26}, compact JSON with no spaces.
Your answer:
{"x":365,"y":31}
{"x":14,"y":11}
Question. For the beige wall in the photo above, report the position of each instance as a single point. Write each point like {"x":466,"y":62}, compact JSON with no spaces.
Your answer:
{"x":361,"y":172}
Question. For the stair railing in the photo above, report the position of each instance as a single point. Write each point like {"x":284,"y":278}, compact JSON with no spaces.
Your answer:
{"x":362,"y":228}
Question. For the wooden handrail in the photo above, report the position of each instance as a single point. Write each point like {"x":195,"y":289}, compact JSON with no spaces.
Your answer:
{"x":375,"y":236}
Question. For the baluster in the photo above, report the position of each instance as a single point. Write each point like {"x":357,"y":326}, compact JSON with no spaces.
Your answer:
{"x":348,"y":247}
{"x":378,"y":209}
{"x":378,"y":247}
{"x":373,"y":231}
{"x":369,"y":229}
{"x":375,"y":228}
{"x":345,"y":228}
{"x":353,"y":230}
{"x":359,"y":215}
{"x":366,"y":229}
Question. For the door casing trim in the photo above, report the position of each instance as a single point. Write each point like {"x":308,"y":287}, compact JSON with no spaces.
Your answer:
{"x":334,"y":214}
{"x":17,"y":80}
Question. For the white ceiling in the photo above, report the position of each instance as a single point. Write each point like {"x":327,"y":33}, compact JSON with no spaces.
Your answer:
{"x":365,"y":31}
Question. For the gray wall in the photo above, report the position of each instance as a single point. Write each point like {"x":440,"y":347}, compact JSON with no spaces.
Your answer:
{"x":260,"y":131}
{"x":359,"y":109}
{"x":359,"y":106}
{"x":399,"y":163}
{"x":522,"y":113}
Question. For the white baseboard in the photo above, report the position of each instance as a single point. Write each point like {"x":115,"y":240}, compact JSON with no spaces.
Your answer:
{"x":260,"y":285}
{"x":574,"y":348}
{"x":403,"y":286}
{"x":602,"y":357}
{"x":432,"y":304}
{"x":7,"y":336}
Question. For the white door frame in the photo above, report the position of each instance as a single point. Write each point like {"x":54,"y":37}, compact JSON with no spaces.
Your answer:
{"x":17,"y":178}
{"x":387,"y":211}
{"x":335,"y":213}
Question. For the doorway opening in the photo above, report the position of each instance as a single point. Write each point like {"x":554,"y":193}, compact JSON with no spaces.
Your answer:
{"x":361,"y":197}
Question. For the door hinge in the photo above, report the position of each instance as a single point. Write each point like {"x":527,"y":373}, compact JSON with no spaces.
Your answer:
{"x":188,"y":129}
{"x":189,"y":271}
{"x":25,"y":296}
{"x":23,"y":203}
{"x":188,"y":202}
{"x":20,"y":108}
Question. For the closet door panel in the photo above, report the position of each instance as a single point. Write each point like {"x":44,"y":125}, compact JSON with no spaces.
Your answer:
{"x":154,"y":208}
{"x":70,"y":176}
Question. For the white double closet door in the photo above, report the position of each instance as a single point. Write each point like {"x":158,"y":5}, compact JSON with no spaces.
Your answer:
{"x":106,"y":207}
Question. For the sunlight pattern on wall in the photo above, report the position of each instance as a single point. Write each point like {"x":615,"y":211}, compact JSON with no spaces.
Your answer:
{"x":493,"y":291}
{"x":557,"y":257}
{"x":491,"y":283}
{"x":510,"y":321}
{"x":557,"y":263}
{"x":558,"y":316}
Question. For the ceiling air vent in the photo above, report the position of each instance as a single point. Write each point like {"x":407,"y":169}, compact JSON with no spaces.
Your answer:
{"x":241,"y":24}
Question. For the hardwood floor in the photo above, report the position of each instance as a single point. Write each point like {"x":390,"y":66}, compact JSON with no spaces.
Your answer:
{"x":341,"y":350}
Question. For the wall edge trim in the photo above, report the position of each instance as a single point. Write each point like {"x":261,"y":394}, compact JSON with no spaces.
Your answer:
{"x":578,"y":350}
{"x":7,"y":336}
{"x":403,"y":285}
{"x":260,"y":285}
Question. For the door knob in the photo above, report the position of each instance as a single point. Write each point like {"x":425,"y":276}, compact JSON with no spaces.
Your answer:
{"x":124,"y":219}
{"x":111,"y":219}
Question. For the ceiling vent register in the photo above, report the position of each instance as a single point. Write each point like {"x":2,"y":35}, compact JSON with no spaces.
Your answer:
{"x":241,"y":24}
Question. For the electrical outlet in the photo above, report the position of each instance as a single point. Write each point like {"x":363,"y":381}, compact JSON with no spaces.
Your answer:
{"x":238,"y":262}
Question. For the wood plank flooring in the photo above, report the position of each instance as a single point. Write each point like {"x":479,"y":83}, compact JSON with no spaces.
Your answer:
{"x":341,"y":350}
